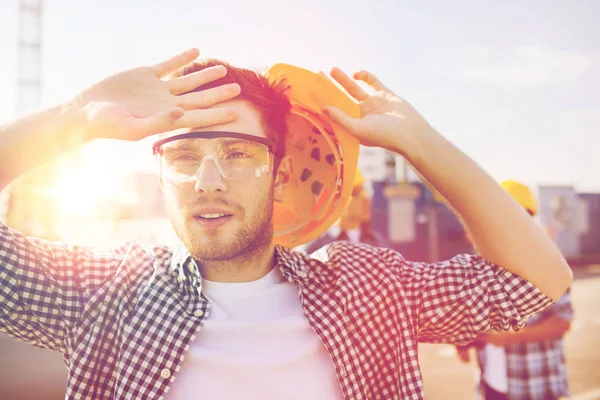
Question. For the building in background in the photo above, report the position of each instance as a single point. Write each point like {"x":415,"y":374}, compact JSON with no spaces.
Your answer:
{"x":416,"y":223}
{"x":561,"y":215}
{"x":589,"y":240}
{"x":423,"y":228}
{"x":378,"y":164}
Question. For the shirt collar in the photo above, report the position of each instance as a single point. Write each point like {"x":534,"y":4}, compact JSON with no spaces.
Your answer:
{"x":292,"y":264}
{"x":299,"y":267}
{"x":183,"y":265}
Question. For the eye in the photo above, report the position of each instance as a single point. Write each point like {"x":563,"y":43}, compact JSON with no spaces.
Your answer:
{"x":238,"y":154}
{"x":183,"y":157}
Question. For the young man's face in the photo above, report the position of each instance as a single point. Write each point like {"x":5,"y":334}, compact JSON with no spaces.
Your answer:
{"x":248,"y":203}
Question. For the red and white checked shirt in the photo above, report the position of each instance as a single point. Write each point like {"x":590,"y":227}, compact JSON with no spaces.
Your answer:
{"x":125,"y":319}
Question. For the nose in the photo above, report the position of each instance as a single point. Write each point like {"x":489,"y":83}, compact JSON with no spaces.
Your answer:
{"x":209,"y":178}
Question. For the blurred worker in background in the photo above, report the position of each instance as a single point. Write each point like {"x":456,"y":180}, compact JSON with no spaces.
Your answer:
{"x":529,"y":364}
{"x":355,"y":225}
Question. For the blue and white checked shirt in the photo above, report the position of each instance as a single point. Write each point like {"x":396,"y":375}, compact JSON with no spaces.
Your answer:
{"x":125,"y":319}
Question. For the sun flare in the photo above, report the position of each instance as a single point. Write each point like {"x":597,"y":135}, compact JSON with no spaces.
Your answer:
{"x":82,"y":186}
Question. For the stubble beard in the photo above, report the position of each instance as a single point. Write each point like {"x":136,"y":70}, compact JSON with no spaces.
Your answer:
{"x":252,"y":238}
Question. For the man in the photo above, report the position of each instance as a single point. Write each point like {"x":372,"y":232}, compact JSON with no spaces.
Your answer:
{"x":231,"y":315}
{"x":355,"y":224}
{"x":529,"y":364}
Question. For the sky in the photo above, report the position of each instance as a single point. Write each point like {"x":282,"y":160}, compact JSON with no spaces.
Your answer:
{"x":514,"y":84}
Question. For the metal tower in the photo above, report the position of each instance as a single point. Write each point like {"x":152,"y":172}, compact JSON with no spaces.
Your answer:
{"x":26,"y":205}
{"x":29,"y":69}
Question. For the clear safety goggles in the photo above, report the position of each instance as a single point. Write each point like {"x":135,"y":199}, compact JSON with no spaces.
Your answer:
{"x":237,"y":156}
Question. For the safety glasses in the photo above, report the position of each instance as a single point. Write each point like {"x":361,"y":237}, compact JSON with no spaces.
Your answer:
{"x":237,"y":156}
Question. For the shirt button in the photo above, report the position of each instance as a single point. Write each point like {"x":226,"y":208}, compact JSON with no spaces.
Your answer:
{"x":291,"y":280}
{"x":191,"y":267}
{"x":198,"y":313}
{"x":180,"y":278}
{"x":302,"y":274}
{"x":165,"y":373}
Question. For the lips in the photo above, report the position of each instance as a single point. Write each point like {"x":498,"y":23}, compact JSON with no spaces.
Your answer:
{"x":212,"y":217}
{"x":211,"y":212}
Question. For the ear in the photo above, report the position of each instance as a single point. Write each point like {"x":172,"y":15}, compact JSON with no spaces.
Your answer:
{"x":284,"y":175}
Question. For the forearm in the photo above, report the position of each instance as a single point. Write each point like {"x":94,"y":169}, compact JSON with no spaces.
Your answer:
{"x":37,"y":138}
{"x":548,"y":329}
{"x":501,"y":230}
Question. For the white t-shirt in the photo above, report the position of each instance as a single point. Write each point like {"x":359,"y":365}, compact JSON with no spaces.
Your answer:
{"x":494,"y":371}
{"x":353,"y":234}
{"x":256,"y":344}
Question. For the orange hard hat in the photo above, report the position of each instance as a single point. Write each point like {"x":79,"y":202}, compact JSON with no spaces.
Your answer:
{"x":324,"y":157}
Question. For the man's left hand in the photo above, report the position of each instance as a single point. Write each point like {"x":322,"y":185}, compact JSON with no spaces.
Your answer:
{"x":386,"y":120}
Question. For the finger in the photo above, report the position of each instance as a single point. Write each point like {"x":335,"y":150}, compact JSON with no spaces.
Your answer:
{"x":171,"y":65}
{"x":349,"y":84}
{"x":371,"y":80}
{"x":204,"y":118}
{"x":208,"y":97}
{"x":192,"y":81}
{"x":139,"y":128}
{"x":342,"y":118}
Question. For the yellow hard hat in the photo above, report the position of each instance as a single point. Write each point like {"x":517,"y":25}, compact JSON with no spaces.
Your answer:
{"x":359,"y":179}
{"x":324,"y":158}
{"x":521,"y":194}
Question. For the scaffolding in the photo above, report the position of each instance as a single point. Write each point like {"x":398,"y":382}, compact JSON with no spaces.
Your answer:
{"x":25,"y":204}
{"x":29,"y":78}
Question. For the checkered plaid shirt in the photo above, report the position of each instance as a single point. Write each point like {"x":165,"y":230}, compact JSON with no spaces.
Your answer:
{"x":125,"y":319}
{"x":537,"y":370}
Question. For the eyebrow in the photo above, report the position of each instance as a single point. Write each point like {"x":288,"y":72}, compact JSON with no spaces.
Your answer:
{"x":232,"y":142}
{"x":175,"y":146}
{"x":187,"y":146}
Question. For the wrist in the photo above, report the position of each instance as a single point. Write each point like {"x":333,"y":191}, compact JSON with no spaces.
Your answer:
{"x":410,"y":143}
{"x":76,"y":121}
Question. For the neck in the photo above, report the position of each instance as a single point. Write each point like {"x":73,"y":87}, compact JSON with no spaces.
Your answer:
{"x":245,"y":267}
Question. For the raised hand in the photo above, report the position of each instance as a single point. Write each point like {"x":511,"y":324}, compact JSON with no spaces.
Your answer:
{"x":387,"y":120}
{"x":140,"y":102}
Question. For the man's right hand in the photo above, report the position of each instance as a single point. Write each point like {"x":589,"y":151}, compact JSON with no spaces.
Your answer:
{"x":137,"y":103}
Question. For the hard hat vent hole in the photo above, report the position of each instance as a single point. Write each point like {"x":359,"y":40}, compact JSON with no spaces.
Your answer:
{"x":330,"y":158}
{"x":316,"y":188}
{"x":316,"y":154}
{"x":306,"y":174}
{"x":300,"y":144}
